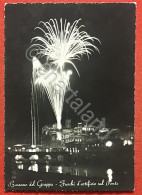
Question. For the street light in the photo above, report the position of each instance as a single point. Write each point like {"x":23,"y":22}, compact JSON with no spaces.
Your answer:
{"x":109,"y":143}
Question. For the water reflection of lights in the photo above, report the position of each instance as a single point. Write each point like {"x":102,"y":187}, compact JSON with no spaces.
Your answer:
{"x":59,"y":169}
{"x":18,"y":162}
{"x":33,"y":167}
{"x":34,"y":157}
{"x":70,"y":151}
{"x":19,"y":157}
{"x":76,"y":171}
{"x":109,"y":143}
{"x":86,"y":172}
{"x":73,"y":170}
{"x":20,"y":166}
{"x":47,"y":168}
{"x":109,"y":173}
{"x":47,"y":158}
{"x":60,"y":158}
{"x":127,"y":142}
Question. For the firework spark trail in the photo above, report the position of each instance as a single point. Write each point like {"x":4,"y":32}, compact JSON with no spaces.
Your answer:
{"x":61,"y":45}
{"x":34,"y":103}
{"x":44,"y":82}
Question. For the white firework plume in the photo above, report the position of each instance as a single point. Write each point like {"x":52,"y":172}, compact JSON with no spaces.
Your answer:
{"x":61,"y":45}
{"x":53,"y":84}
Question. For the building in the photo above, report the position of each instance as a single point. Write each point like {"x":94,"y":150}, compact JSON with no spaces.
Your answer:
{"x":68,"y":124}
{"x":103,"y":122}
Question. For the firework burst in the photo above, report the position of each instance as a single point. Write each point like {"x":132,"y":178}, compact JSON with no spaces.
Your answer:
{"x":61,"y":44}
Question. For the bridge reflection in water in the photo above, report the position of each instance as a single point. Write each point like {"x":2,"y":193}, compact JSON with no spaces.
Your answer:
{"x":86,"y":171}
{"x":88,"y":164}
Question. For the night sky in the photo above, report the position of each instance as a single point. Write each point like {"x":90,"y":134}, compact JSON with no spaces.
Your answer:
{"x":106,"y":79}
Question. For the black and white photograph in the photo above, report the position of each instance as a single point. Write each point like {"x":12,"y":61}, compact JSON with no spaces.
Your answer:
{"x":69,"y":96}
